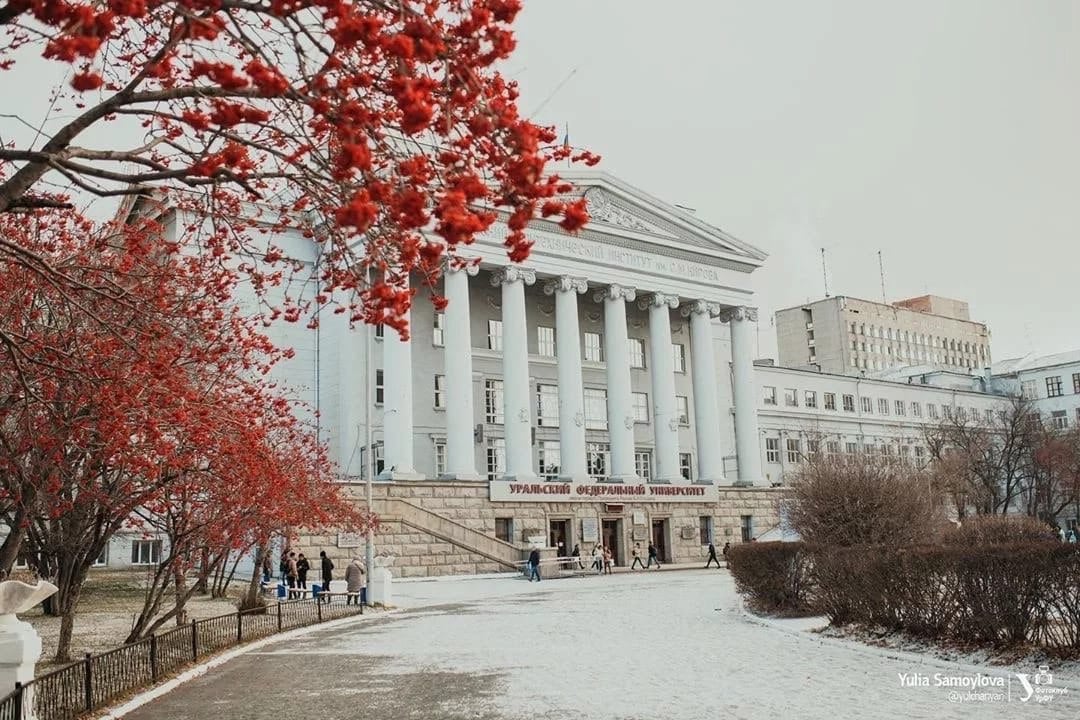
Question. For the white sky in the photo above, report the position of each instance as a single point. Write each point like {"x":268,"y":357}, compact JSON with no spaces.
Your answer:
{"x":941,"y":133}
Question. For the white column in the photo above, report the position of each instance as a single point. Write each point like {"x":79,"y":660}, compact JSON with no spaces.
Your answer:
{"x":619,"y":400}
{"x":457,"y":339}
{"x":398,"y":407}
{"x":516,"y":404}
{"x":742,"y":368}
{"x":662,"y":375}
{"x":706,"y":405}
{"x":568,"y":361}
{"x":354,"y":407}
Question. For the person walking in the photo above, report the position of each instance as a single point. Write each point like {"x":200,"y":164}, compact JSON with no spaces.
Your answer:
{"x":355,"y":583}
{"x":653,"y":557}
{"x":302,"y":567}
{"x":576,"y":553}
{"x":534,"y":565}
{"x":638,"y":562}
{"x":267,"y":568}
{"x":327,"y":574}
{"x":712,"y":557}
{"x":727,"y":549}
{"x":597,"y":559}
{"x":290,"y":574}
{"x":609,"y":560}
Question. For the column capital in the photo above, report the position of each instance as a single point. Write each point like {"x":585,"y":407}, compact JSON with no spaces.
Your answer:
{"x":566,"y":283}
{"x":659,"y":300}
{"x":700,"y":307}
{"x":616,"y":292}
{"x":470,"y":269}
{"x":511,"y":274}
{"x":741,"y":312}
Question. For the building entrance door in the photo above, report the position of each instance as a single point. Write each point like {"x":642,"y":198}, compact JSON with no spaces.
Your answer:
{"x":559,"y":536}
{"x":611,"y":534}
{"x":659,"y":539}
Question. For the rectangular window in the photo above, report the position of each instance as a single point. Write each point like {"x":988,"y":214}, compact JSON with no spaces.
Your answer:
{"x":1059,"y":420}
{"x":377,"y":461}
{"x":830,"y":401}
{"x":849,"y":403}
{"x":641,"y":407}
{"x":440,"y":456}
{"x":931,"y":411}
{"x":493,"y":402}
{"x":549,"y":459}
{"x":686,"y":466}
{"x":440,"y":392}
{"x":145,"y":552}
{"x":989,"y":415}
{"x":504,"y":529}
{"x":596,"y":409}
{"x":1076,"y":382}
{"x":682,"y":409}
{"x":901,"y":407}
{"x":946,"y":411}
{"x":437,"y":338}
{"x":916,"y":409}
{"x":679,"y":355}
{"x":919,"y":451}
{"x":961,"y":413}
{"x":380,"y":389}
{"x":545,"y":341}
{"x":868,"y":405}
{"x":705,"y":529}
{"x":496,"y":458}
{"x":768,"y":395}
{"x":772,"y":450}
{"x":813,"y":447}
{"x":794,"y":453}
{"x":810,"y":399}
{"x":598,"y":460}
{"x":495,"y":337}
{"x":380,"y":331}
{"x":883,"y":406}
{"x":746,"y":524}
{"x":791,"y":397}
{"x":636,"y":349}
{"x":1029,"y":389}
{"x":547,"y":405}
{"x":643,"y":464}
{"x":833,"y":447}
{"x":594,"y":351}
{"x":1053,"y":386}
{"x":851,"y":448}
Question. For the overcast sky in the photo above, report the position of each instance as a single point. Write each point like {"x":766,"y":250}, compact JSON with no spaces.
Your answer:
{"x":941,"y":133}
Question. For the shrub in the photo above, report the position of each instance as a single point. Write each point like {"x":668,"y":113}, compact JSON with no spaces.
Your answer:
{"x":998,"y":529}
{"x":774,"y":577}
{"x":862,"y":500}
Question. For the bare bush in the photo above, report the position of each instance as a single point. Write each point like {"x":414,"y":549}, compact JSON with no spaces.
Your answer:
{"x":773,"y":576}
{"x":999,"y":529}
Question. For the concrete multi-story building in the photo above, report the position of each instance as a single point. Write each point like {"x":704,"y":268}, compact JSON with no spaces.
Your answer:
{"x":849,"y":336}
{"x":1052,"y":382}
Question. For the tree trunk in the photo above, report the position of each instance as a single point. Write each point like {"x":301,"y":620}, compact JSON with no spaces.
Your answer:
{"x":66,"y":609}
{"x":204,"y":572}
{"x":251,"y":598}
{"x":181,"y":595}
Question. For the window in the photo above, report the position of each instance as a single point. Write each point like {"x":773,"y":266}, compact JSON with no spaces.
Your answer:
{"x":593,"y":347}
{"x":810,"y":399}
{"x":504,"y":529}
{"x":851,"y":448}
{"x":772,"y":450}
{"x":883,"y":406}
{"x":643,"y":464}
{"x":961,"y":413}
{"x":849,"y":403}
{"x":1076,"y":382}
{"x":440,"y":456}
{"x":595,"y":409}
{"x":946,"y":411}
{"x":380,"y":331}
{"x":916,"y":409}
{"x":145,"y":552}
{"x":597,"y":459}
{"x":380,"y":388}
{"x":641,"y":407}
{"x":635,"y":348}
{"x":679,"y":354}
{"x":496,"y":458}
{"x":1059,"y":420}
{"x":768,"y":395}
{"x":791,"y":397}
{"x":989,"y":415}
{"x":686,"y":466}
{"x":919,"y":451}
{"x":440,"y":392}
{"x":545,"y":341}
{"x":1053,"y":386}
{"x":493,"y":402}
{"x":794,"y":453}
{"x":830,"y":401}
{"x":867,"y":405}
{"x":549,"y":459}
{"x":1029,"y":390}
{"x":931,"y":410}
{"x":495,"y":335}
{"x":813,"y":447}
{"x":900,"y":407}
{"x":682,"y":409}
{"x":746,"y":523}
{"x":832,"y":447}
{"x":437,"y":330}
{"x":377,"y":461}
{"x":547,"y":405}
{"x":705,"y":529}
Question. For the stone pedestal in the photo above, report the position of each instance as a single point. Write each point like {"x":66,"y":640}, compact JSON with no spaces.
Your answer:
{"x":380,"y":587}
{"x":20,"y":646}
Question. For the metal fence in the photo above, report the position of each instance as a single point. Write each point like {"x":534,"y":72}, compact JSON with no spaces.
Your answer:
{"x":99,"y":680}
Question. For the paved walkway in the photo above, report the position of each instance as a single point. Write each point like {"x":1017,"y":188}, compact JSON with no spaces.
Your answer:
{"x":643,"y":646}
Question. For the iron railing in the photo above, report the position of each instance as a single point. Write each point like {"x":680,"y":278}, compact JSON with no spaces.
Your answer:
{"x":101,"y":679}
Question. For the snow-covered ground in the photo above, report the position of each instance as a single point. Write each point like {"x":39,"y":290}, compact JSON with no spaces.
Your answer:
{"x":671,"y":646}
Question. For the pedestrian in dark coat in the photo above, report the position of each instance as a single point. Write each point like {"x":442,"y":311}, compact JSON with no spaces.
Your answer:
{"x":302,"y":567}
{"x":327,"y":573}
{"x":712,"y":557}
{"x":653,"y":558}
{"x":534,"y":565}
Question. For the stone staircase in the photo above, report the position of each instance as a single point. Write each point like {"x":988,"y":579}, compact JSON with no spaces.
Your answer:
{"x":503,"y":553}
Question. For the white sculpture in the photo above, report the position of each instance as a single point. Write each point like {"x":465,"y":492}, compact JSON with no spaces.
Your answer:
{"x":20,"y":645}
{"x":380,"y":587}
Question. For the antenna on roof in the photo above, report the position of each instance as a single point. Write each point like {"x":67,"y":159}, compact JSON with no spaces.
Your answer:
{"x":824,"y":272}
{"x":881,"y":271}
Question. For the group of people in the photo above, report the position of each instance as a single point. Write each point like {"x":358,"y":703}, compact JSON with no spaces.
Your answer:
{"x":712,"y":555}
{"x":294,"y":568}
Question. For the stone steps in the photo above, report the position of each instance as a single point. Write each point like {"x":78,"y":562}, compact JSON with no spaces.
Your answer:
{"x":466,"y":538}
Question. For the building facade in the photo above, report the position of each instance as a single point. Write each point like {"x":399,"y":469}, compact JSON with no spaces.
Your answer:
{"x":1051,"y":381}
{"x":848,"y":336}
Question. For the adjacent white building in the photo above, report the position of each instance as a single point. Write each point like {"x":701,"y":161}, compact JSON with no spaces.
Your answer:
{"x":1051,"y":381}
